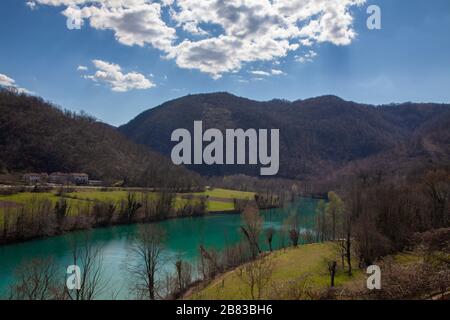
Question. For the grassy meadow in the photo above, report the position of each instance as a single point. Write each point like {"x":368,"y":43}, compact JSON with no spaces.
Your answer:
{"x":305,"y":266}
{"x":219,"y":200}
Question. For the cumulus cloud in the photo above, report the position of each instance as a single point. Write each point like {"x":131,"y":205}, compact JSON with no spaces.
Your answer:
{"x":243,"y":30}
{"x":82,"y":68}
{"x":112,"y":75}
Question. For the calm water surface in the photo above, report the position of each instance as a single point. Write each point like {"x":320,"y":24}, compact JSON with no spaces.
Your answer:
{"x":183,"y":237}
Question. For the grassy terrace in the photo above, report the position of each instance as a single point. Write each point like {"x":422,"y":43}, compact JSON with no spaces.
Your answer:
{"x":308,"y":262}
{"x":303,"y":267}
{"x":227,"y":194}
{"x":219,"y":199}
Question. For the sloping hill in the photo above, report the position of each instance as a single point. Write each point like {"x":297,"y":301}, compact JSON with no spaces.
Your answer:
{"x":36,"y":136}
{"x":294,"y":273}
{"x":317,"y":136}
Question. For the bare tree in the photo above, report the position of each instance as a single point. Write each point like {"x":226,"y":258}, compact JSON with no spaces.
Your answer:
{"x":321,"y":221}
{"x":269,"y":237}
{"x":332,"y":267}
{"x":130,"y":207}
{"x":183,"y":276}
{"x":334,"y":209}
{"x":103,"y":213}
{"x":164,"y":203}
{"x":292,"y":289}
{"x":209,"y":263}
{"x":61,"y":211}
{"x":352,"y":212}
{"x":346,"y":244}
{"x":93,"y":283}
{"x":147,"y":259}
{"x":37,"y":280}
{"x":148,"y":206}
{"x":292,"y":226}
{"x":256,"y":275}
{"x":437,"y":188}
{"x":252,"y":229}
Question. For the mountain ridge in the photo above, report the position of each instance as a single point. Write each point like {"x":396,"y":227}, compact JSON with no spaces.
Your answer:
{"x":317,"y":134}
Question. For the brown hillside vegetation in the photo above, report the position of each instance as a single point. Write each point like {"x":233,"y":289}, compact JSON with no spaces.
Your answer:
{"x":318,"y":136}
{"x":37,"y":136}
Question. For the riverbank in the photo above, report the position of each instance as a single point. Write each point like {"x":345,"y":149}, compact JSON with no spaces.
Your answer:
{"x":215,"y":232}
{"x":296,"y":273}
{"x":302,"y":273}
{"x":33,"y":215}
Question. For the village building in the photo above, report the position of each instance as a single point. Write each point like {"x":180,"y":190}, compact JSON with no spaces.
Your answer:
{"x":79,"y":178}
{"x":69,"y":178}
{"x":59,"y":178}
{"x":35,"y":178}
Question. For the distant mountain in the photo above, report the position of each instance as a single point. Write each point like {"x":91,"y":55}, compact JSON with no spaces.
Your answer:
{"x":37,"y":136}
{"x":318,"y":136}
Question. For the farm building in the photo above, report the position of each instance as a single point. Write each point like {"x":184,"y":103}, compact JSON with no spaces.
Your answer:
{"x":34,"y":178}
{"x":69,"y":178}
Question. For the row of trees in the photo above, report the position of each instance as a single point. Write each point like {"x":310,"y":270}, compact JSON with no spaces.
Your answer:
{"x":254,"y":266}
{"x":377,"y":216}
{"x":373,"y":217}
{"x":248,"y":256}
{"x":42,"y":279}
{"x":386,"y":214}
{"x":43,"y":218}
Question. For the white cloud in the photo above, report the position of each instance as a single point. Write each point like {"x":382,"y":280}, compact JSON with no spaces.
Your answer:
{"x":134,"y":22}
{"x":82,"y":68}
{"x":10,"y":83}
{"x":31,"y":5}
{"x":23,"y":90}
{"x":273,"y":72}
{"x":308,"y":57}
{"x":244,"y":30}
{"x":276,"y":72}
{"x":6,"y":81}
{"x":260,"y":73}
{"x":112,"y":75}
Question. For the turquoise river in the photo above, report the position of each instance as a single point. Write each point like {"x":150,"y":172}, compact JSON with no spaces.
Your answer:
{"x":183,"y":238}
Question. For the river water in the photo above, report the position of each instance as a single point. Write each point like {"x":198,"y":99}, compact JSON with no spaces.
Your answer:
{"x":183,"y":237}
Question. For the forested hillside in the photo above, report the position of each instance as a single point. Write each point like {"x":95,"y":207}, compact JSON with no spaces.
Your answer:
{"x":37,"y":136}
{"x":318,"y":136}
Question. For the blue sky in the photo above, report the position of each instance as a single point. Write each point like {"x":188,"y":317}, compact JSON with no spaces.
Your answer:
{"x":131,"y":68}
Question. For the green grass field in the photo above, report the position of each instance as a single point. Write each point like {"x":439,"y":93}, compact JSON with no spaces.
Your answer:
{"x":218,"y":206}
{"x":308,"y":262}
{"x":227,"y":194}
{"x":28,"y":198}
{"x":221,"y":199}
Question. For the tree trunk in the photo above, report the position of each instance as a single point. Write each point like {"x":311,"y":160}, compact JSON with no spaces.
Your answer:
{"x":332,"y":269}
{"x":348,"y":254}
